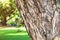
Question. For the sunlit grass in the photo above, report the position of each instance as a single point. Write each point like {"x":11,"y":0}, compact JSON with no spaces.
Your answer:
{"x":13,"y":28}
{"x":16,"y":34}
{"x":13,"y":34}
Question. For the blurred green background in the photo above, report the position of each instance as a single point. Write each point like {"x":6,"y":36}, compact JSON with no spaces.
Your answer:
{"x":11,"y":23}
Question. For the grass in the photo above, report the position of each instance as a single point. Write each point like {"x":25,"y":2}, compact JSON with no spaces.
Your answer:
{"x":13,"y":34}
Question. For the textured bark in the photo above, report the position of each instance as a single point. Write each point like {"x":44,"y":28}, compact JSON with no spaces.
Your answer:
{"x":41,"y":18}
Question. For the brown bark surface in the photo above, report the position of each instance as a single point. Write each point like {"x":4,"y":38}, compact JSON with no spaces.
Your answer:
{"x":41,"y":18}
{"x":3,"y":18}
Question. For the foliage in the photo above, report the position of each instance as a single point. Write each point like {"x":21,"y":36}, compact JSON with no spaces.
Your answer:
{"x":8,"y":8}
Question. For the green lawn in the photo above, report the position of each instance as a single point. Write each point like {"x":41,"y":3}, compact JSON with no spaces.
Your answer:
{"x":13,"y":34}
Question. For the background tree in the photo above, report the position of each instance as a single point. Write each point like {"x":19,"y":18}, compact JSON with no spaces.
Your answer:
{"x":7,"y":9}
{"x":41,"y":18}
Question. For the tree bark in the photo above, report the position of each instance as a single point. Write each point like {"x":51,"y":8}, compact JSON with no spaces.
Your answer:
{"x":3,"y":18}
{"x":41,"y":18}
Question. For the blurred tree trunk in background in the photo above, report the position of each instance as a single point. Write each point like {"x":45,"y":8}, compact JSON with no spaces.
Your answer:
{"x":4,"y":18}
{"x":41,"y":18}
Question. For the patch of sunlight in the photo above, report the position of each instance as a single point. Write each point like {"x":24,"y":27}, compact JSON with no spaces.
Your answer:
{"x":2,"y":1}
{"x":17,"y":34}
{"x":22,"y":28}
{"x":9,"y":28}
{"x":57,"y":38}
{"x":13,"y":28}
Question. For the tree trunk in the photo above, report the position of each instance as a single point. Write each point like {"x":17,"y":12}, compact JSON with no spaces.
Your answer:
{"x":41,"y":18}
{"x":3,"y":19}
